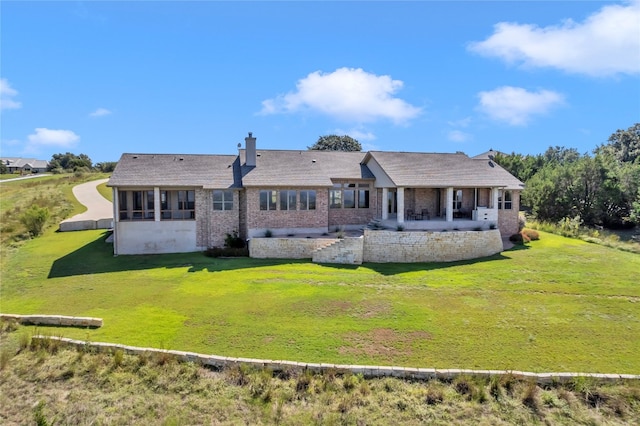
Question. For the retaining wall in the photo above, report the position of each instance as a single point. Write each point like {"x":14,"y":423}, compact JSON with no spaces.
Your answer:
{"x":369,"y":371}
{"x":54,"y":320}
{"x":286,"y":248}
{"x":348,"y":250}
{"x":414,"y":246}
{"x":84,"y":225}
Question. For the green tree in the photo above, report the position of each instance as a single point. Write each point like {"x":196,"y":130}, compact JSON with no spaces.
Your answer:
{"x":34,"y":219}
{"x":3,"y":168}
{"x":69,"y":161}
{"x":336,"y":143}
{"x":623,"y":145}
{"x":106,"y":167}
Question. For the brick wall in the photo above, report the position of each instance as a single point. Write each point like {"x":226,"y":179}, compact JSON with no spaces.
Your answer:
{"x":355,"y":216}
{"x":286,"y":219}
{"x":508,"y":219}
{"x":212,"y":226}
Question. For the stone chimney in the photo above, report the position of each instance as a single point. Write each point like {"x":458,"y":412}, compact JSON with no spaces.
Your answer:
{"x":250,"y":145}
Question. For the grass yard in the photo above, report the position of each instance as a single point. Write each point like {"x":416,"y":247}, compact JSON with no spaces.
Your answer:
{"x":556,"y":305}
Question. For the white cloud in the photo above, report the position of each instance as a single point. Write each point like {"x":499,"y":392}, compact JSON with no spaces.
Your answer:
{"x":458,"y":136}
{"x":606,"y":43}
{"x":515,"y":105}
{"x":464,"y":122}
{"x":358,"y":134}
{"x":100,"y":112}
{"x":48,"y":137}
{"x":347,"y":94}
{"x":6,"y":95}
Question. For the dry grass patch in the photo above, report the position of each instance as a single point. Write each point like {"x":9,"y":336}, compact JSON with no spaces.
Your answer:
{"x":382,"y":343}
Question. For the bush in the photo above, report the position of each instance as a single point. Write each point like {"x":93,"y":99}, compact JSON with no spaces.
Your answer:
{"x":517,"y":239}
{"x":531,"y":234}
{"x":226,"y":252}
{"x":34,"y":219}
{"x":233,"y":241}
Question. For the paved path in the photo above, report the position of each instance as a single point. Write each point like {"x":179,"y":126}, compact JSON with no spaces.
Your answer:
{"x":99,"y":212}
{"x":36,"y":175}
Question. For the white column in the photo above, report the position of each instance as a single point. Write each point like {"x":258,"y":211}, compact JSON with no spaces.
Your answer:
{"x":385,"y":203}
{"x":400,"y":205}
{"x":449,"y":210}
{"x":116,"y":202}
{"x":495,"y":192}
{"x":156,"y":204}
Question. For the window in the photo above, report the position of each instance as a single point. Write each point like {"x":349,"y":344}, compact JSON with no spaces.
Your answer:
{"x":222,"y":200}
{"x":288,"y":200}
{"x":363,"y":195}
{"x":505,"y":200}
{"x":307,"y":200}
{"x":136,"y":205}
{"x":122,"y":205}
{"x":457,"y":199}
{"x":268,"y":200}
{"x":349,"y":195}
{"x":335,"y":196}
{"x":177,"y":205}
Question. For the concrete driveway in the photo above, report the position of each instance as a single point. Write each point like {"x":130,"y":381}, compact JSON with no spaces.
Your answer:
{"x":99,"y":214}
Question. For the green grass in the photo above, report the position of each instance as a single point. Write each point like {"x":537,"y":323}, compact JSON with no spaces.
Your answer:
{"x":558,"y":304}
{"x":105,"y":191}
{"x":53,"y":192}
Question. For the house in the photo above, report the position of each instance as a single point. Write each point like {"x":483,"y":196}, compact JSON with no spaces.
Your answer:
{"x":166,"y":203}
{"x":24,"y":165}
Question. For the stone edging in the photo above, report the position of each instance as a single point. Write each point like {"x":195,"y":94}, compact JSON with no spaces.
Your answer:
{"x":220,"y":362}
{"x":54,"y":320}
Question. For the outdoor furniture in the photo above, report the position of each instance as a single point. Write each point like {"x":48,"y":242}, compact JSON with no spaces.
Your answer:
{"x":425,"y":214}
{"x":411,"y":214}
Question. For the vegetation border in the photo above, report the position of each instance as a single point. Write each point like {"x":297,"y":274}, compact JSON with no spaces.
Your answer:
{"x":367,"y":371}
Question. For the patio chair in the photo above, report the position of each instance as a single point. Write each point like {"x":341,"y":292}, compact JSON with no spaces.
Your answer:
{"x":425,"y":214}
{"x":411,"y":215}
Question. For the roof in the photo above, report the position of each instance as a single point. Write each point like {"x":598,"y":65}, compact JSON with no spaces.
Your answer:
{"x":417,"y":169}
{"x":21,"y":162}
{"x":307,"y":168}
{"x":207,"y":171}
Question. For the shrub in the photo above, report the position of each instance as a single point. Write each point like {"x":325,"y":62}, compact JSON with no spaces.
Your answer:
{"x":517,"y":239}
{"x":268,"y":233}
{"x":400,"y":228}
{"x":233,"y":240}
{"x":531,"y":234}
{"x":34,"y":219}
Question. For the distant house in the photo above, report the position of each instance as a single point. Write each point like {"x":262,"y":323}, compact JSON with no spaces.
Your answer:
{"x":24,"y":165}
{"x":167,"y":203}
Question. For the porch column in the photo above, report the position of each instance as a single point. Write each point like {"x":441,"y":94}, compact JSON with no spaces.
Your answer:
{"x":156,"y":204}
{"x":495,"y":192}
{"x":385,"y":203}
{"x":400,"y":204}
{"x":116,"y":206}
{"x":449,"y":210}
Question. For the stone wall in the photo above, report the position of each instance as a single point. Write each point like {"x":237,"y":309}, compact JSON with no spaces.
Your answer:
{"x":368,"y":371}
{"x":347,"y":251}
{"x":54,"y":320}
{"x":286,"y":248}
{"x":413,"y":246}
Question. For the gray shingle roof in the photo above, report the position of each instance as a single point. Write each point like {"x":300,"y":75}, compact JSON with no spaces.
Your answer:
{"x":416,"y":169}
{"x":275,"y":168}
{"x":207,"y":171}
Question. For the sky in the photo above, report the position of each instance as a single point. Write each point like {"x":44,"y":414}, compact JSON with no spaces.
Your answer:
{"x":107,"y":77}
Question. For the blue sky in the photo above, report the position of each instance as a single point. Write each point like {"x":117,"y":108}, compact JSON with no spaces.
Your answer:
{"x":103,"y":78}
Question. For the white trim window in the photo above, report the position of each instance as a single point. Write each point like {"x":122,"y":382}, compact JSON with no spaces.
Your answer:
{"x":222,"y":199}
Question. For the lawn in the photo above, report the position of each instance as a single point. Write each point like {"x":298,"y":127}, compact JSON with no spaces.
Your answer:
{"x":556,"y":305}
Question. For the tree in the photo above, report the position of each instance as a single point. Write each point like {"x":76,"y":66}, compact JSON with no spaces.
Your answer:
{"x":3,"y":168}
{"x":336,"y":143}
{"x":69,"y":161}
{"x":624,"y":145}
{"x":106,"y":167}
